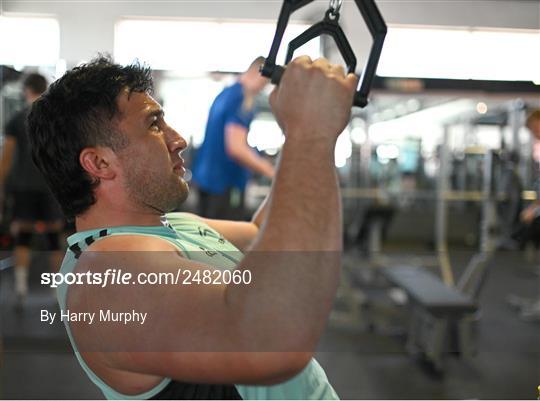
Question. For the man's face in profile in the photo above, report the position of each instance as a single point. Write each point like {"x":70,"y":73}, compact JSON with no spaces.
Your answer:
{"x":152,"y":166}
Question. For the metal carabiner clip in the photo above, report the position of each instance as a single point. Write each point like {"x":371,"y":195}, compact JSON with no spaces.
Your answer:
{"x":335,"y":8}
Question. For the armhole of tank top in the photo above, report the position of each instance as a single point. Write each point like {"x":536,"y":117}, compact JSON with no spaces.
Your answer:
{"x":177,"y":245}
{"x":104,"y":387}
{"x":109,"y":392}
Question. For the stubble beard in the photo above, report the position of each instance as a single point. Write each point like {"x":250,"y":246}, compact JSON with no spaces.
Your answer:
{"x":154,"y":191}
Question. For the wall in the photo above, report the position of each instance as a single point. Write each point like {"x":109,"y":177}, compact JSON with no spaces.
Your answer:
{"x":88,"y":27}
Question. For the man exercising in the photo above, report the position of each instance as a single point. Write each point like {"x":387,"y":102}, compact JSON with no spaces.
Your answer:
{"x":114,"y":164}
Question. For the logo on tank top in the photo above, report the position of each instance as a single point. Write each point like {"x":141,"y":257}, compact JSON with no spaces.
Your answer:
{"x":206,"y":232}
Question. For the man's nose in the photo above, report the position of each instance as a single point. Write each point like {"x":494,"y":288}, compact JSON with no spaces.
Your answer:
{"x":176,"y":142}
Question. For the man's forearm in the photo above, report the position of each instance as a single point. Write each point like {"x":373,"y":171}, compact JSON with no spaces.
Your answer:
{"x":295,"y":261}
{"x":248,"y":158}
{"x":304,"y":198}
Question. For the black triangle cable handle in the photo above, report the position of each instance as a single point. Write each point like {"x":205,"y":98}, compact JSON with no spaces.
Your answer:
{"x":329,"y":26}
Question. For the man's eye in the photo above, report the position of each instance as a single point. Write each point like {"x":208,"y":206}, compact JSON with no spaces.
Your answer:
{"x":155,"y":126}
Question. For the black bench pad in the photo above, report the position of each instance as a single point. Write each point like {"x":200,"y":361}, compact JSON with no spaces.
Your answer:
{"x":428,"y":291}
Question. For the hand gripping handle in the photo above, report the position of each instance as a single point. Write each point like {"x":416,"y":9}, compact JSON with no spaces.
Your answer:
{"x":374,"y":21}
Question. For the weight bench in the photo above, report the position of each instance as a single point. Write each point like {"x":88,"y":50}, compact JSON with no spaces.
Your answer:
{"x":436,"y":310}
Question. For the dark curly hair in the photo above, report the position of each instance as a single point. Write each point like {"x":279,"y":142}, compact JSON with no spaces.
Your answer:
{"x":78,"y":111}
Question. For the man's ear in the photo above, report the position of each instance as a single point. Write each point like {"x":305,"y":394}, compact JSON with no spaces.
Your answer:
{"x":99,"y":162}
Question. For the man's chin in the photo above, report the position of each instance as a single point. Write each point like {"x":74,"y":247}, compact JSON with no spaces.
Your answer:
{"x":181,"y":197}
{"x":185,"y":195}
{"x":185,"y":190}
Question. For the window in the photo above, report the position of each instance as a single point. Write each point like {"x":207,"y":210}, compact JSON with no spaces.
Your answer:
{"x":193,"y":47}
{"x":29,"y":41}
{"x":483,"y":54}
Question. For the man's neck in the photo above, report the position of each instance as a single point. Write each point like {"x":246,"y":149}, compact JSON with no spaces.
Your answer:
{"x":249,"y":97}
{"x":95,"y":219}
{"x":243,"y":80}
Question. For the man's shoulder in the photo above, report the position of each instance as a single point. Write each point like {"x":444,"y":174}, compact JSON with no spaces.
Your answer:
{"x":232,"y":95}
{"x":136,"y":252}
{"x":131,"y":243}
{"x":21,"y":115}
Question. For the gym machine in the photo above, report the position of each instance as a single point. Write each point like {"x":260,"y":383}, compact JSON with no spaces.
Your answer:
{"x":442,"y":306}
{"x":330,"y":26}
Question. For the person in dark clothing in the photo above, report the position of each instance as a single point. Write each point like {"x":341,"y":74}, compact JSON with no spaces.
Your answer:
{"x":33,"y":205}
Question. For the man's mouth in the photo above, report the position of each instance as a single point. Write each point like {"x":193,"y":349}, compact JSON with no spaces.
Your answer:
{"x":179,"y":168}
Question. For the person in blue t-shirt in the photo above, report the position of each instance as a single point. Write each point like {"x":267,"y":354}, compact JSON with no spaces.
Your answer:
{"x":225,"y":161}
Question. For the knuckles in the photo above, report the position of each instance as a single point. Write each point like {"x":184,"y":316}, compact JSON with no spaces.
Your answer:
{"x":303,"y":76}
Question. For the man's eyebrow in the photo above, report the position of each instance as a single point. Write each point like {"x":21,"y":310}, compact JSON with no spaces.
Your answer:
{"x":157,"y":112}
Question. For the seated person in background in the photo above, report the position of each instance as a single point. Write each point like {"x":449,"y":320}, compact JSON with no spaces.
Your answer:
{"x":114,"y":164}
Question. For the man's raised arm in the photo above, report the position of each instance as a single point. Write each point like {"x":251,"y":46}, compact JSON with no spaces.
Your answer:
{"x":265,"y":331}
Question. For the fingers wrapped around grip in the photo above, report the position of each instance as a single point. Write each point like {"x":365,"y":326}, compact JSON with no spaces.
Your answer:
{"x":314,"y":96}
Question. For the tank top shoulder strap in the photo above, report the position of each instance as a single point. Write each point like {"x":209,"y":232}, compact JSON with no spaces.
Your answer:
{"x":78,"y":242}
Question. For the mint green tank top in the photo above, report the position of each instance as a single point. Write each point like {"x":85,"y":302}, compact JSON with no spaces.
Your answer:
{"x":197,"y":241}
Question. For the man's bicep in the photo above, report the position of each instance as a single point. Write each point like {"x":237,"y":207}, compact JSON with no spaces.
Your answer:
{"x":148,"y":301}
{"x":160,"y":282}
{"x":189,"y":333}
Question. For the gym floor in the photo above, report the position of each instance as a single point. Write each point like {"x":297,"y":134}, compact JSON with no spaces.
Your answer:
{"x":361,"y":364}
